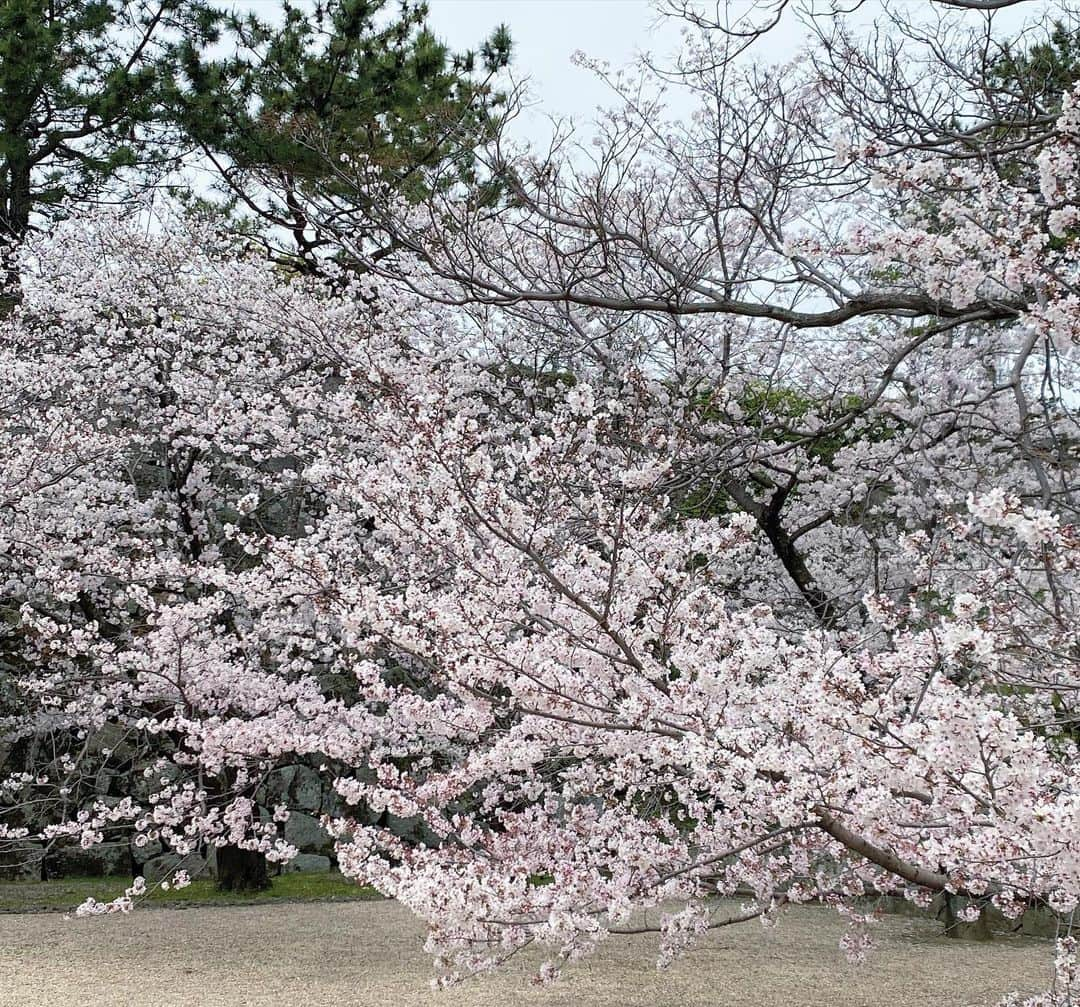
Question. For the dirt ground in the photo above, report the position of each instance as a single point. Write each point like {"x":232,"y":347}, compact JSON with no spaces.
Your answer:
{"x":368,"y":954}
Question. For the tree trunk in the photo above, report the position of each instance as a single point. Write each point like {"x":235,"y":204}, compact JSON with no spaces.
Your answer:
{"x":14,"y":223}
{"x":241,"y":870}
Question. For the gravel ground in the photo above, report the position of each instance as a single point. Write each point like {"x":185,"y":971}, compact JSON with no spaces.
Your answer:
{"x":368,"y":954}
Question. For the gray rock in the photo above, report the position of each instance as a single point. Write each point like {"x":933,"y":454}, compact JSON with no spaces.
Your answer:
{"x":152,"y":849}
{"x":298,"y":787}
{"x":20,"y":860}
{"x":413,"y":830}
{"x":306,"y":834}
{"x":1042,"y":922}
{"x":307,"y":790}
{"x":64,"y":861}
{"x":161,"y":867}
{"x":103,"y":781}
{"x":308,"y":863}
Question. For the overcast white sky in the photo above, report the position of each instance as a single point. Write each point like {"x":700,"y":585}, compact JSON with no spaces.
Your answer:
{"x":547,"y":32}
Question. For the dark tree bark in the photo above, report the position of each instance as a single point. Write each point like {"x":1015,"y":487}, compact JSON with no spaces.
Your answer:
{"x":241,"y":870}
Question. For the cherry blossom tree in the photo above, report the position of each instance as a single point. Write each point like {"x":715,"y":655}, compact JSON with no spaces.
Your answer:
{"x":161,"y":405}
{"x":488,"y":610}
{"x":840,"y":271}
{"x":696,"y":523}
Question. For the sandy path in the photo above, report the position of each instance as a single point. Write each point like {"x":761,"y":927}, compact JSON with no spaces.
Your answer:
{"x":368,"y":954}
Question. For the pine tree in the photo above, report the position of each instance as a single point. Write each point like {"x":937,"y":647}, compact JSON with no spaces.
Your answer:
{"x":351,"y":82}
{"x":81,"y":87}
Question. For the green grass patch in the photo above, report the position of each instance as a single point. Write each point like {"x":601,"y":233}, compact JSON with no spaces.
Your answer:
{"x":64,"y":894}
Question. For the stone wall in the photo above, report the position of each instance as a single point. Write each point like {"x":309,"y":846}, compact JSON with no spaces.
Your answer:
{"x":299,"y":787}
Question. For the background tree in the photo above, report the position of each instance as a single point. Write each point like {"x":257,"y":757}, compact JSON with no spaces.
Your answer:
{"x":81,"y":101}
{"x":751,"y":245}
{"x":96,"y":103}
{"x":358,"y":81}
